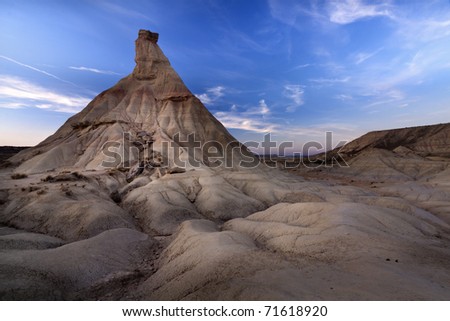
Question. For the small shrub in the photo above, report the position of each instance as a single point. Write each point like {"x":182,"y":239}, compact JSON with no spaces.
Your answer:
{"x":78,"y":175}
{"x":81,"y":125}
{"x":74,"y":176}
{"x":18,"y":176}
{"x":66,"y":190}
{"x":49,"y":178}
{"x":33,"y":188}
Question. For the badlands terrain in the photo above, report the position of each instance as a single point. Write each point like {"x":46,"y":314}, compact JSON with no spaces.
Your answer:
{"x":90,"y":215}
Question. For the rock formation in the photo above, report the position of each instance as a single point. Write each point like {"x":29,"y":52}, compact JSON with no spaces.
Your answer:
{"x":153,"y":109}
{"x":149,"y":228}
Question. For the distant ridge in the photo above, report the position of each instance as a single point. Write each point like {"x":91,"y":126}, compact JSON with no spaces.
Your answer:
{"x":8,"y":151}
{"x":430,"y":140}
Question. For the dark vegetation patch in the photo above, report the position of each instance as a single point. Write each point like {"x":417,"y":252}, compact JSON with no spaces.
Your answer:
{"x":64,"y":177}
{"x":19,"y":176}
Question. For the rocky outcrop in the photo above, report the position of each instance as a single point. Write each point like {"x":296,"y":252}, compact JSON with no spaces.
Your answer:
{"x":149,"y":110}
{"x":425,"y":140}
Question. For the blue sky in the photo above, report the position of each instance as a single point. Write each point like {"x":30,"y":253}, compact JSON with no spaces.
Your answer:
{"x":293,"y":68}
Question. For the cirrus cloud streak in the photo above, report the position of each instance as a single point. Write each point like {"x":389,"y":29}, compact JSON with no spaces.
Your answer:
{"x":16,"y":93}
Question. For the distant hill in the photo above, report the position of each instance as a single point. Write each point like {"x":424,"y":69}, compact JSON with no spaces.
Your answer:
{"x":8,"y":151}
{"x":402,"y":154}
{"x":433,"y":140}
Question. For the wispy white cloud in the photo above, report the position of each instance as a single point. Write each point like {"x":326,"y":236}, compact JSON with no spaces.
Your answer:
{"x":12,"y":104}
{"x":253,"y":119}
{"x":322,"y":52}
{"x":94,"y":70}
{"x":211,"y":95}
{"x":295,"y":93}
{"x":242,"y":40}
{"x":301,"y":66}
{"x":300,"y":135}
{"x":348,"y":11}
{"x":395,"y":94}
{"x":121,"y":10}
{"x":344,"y":97}
{"x":419,"y":29}
{"x":422,"y":65}
{"x":329,"y":81}
{"x":416,"y":52}
{"x":264,"y":109}
{"x":386,"y":98}
{"x":261,"y":110}
{"x":35,"y":69}
{"x":250,"y":122}
{"x":245,"y":122}
{"x":360,"y":57}
{"x":287,"y":11}
{"x":327,"y":14}
{"x":18,"y":93}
